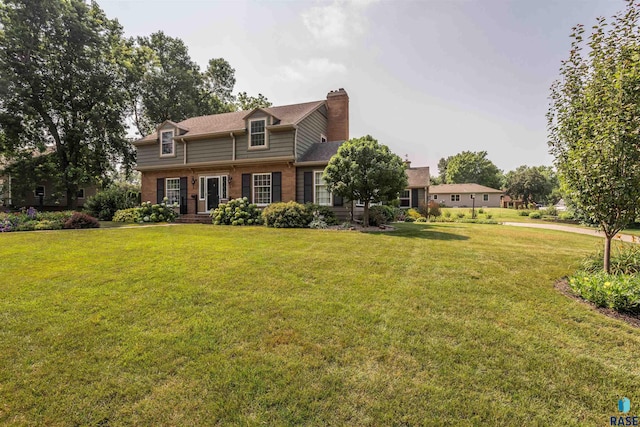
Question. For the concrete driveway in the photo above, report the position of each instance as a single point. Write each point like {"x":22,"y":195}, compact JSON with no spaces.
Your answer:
{"x":592,"y":232}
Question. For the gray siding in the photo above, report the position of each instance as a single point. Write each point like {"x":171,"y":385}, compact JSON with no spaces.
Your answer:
{"x":210,"y":150}
{"x":342,"y":212}
{"x":310,"y":128}
{"x":280,"y":145}
{"x":149,"y":155}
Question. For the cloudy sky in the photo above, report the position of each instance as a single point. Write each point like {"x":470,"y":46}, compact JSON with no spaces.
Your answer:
{"x":428,"y":78}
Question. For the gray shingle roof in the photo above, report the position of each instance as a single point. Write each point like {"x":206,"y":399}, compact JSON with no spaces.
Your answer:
{"x":418,"y":177}
{"x":203,"y":125}
{"x":321,"y":151}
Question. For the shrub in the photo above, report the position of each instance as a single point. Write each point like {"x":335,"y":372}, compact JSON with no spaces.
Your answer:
{"x":535,"y":215}
{"x":46,"y":224}
{"x":286,"y":215}
{"x":480,"y":211}
{"x":434,"y":209}
{"x":409,"y":219}
{"x":236,"y":212}
{"x":380,"y":214}
{"x":324,"y":212}
{"x":81,"y":220}
{"x":460,"y":215}
{"x":127,"y":215}
{"x":625,"y":259}
{"x":157,"y":212}
{"x":30,"y":219}
{"x":447,"y":214}
{"x":105,"y":203}
{"x":413,"y":214}
{"x":489,"y":216}
{"x":524,"y":213}
{"x":318,"y":223}
{"x":421,"y":219}
{"x":399,"y":214}
{"x":565,"y":216}
{"x":551,"y":211}
{"x":619,"y":292}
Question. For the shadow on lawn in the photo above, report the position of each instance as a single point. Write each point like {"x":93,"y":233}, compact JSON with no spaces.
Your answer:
{"x":425,"y":232}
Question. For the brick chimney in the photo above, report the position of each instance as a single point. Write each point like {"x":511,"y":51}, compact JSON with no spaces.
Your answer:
{"x":337,"y":115}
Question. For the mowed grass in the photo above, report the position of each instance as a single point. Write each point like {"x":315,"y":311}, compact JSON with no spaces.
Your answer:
{"x":433,"y":324}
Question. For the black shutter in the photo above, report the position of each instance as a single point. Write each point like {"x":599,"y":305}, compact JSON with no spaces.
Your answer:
{"x":308,"y":187}
{"x":246,"y":185}
{"x":337,"y":200}
{"x":160,"y":190}
{"x":183,"y":195}
{"x":414,"y":198}
{"x":276,"y":187}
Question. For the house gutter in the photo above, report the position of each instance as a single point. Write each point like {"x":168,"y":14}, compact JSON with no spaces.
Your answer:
{"x":233,"y":147}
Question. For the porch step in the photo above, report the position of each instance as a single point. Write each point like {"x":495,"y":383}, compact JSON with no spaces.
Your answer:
{"x":194,"y":219}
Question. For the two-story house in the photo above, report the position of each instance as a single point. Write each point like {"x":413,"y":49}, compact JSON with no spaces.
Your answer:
{"x":266,"y":154}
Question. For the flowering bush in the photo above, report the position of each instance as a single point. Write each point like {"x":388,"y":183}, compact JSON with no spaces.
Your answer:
{"x":30,"y":219}
{"x":619,"y":292}
{"x":236,"y":212}
{"x":158,"y":212}
{"x":286,"y":215}
{"x":127,"y":215}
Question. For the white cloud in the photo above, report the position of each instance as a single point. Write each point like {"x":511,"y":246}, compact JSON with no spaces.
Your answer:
{"x":338,"y":23}
{"x":313,"y":68}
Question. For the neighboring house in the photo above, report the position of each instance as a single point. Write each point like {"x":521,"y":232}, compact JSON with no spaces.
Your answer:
{"x":509,"y":203}
{"x":416,"y":194}
{"x":561,"y":206}
{"x":41,"y":195}
{"x":462,"y":195}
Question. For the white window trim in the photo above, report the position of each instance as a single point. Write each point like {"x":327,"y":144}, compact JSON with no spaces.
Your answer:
{"x":405,"y":198}
{"x":323,"y":138}
{"x":315,"y":185}
{"x":435,"y":197}
{"x":166,"y":189}
{"x":485,"y":197}
{"x":253,"y":188}
{"x":202,"y":182}
{"x":173,"y":143}
{"x":266,"y":135}
{"x":44,"y":191}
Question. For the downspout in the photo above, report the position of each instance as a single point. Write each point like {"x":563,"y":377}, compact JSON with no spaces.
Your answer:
{"x":185,"y":150}
{"x":295,"y":145}
{"x":233,"y":152}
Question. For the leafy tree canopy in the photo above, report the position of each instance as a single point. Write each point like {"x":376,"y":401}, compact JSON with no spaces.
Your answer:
{"x":246,"y":102}
{"x":470,"y":167}
{"x":365,"y":170}
{"x":65,"y":84}
{"x":594,"y":122}
{"x":532,"y":184}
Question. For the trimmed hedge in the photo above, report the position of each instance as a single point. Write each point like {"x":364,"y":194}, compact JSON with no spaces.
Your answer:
{"x":286,"y":215}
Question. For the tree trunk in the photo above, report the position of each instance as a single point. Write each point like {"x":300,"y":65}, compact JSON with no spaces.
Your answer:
{"x":607,"y":253}
{"x":365,"y":215}
{"x":72,"y":200}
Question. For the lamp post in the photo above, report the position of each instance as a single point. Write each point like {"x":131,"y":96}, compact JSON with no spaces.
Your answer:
{"x":473,"y":206}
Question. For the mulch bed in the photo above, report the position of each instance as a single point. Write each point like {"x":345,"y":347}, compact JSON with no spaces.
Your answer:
{"x":562,"y":285}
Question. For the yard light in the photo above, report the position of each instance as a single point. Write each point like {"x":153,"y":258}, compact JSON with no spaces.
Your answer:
{"x":473,"y":206}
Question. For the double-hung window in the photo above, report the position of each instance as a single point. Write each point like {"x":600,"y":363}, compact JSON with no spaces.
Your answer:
{"x":262,"y":188}
{"x":167,"y":145}
{"x":322,"y":196}
{"x":257,"y":133}
{"x":405,"y":198}
{"x":455,"y":197}
{"x":173,"y":190}
{"x":485,"y":197}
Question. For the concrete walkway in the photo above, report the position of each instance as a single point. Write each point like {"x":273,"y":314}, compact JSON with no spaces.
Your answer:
{"x":591,"y":232}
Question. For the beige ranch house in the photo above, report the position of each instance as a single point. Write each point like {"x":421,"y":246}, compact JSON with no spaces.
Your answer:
{"x":463,"y":195}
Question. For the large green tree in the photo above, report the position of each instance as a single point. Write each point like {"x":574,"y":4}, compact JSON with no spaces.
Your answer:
{"x":471,"y":167}
{"x":365,"y":170}
{"x":594,"y":123}
{"x":531,"y":184}
{"x":64,"y":84}
{"x":246,"y":102}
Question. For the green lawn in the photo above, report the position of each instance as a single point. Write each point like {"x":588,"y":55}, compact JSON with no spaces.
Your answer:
{"x":433,"y":324}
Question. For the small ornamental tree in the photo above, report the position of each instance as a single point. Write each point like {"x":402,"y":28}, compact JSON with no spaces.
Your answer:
{"x":365,"y":170}
{"x":594,"y":123}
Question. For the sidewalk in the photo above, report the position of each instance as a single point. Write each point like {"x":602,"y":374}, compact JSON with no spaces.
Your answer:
{"x":597,"y":233}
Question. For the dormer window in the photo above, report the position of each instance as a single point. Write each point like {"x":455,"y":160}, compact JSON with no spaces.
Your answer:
{"x":167,"y":144}
{"x":323,"y":138}
{"x":257,"y":133}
